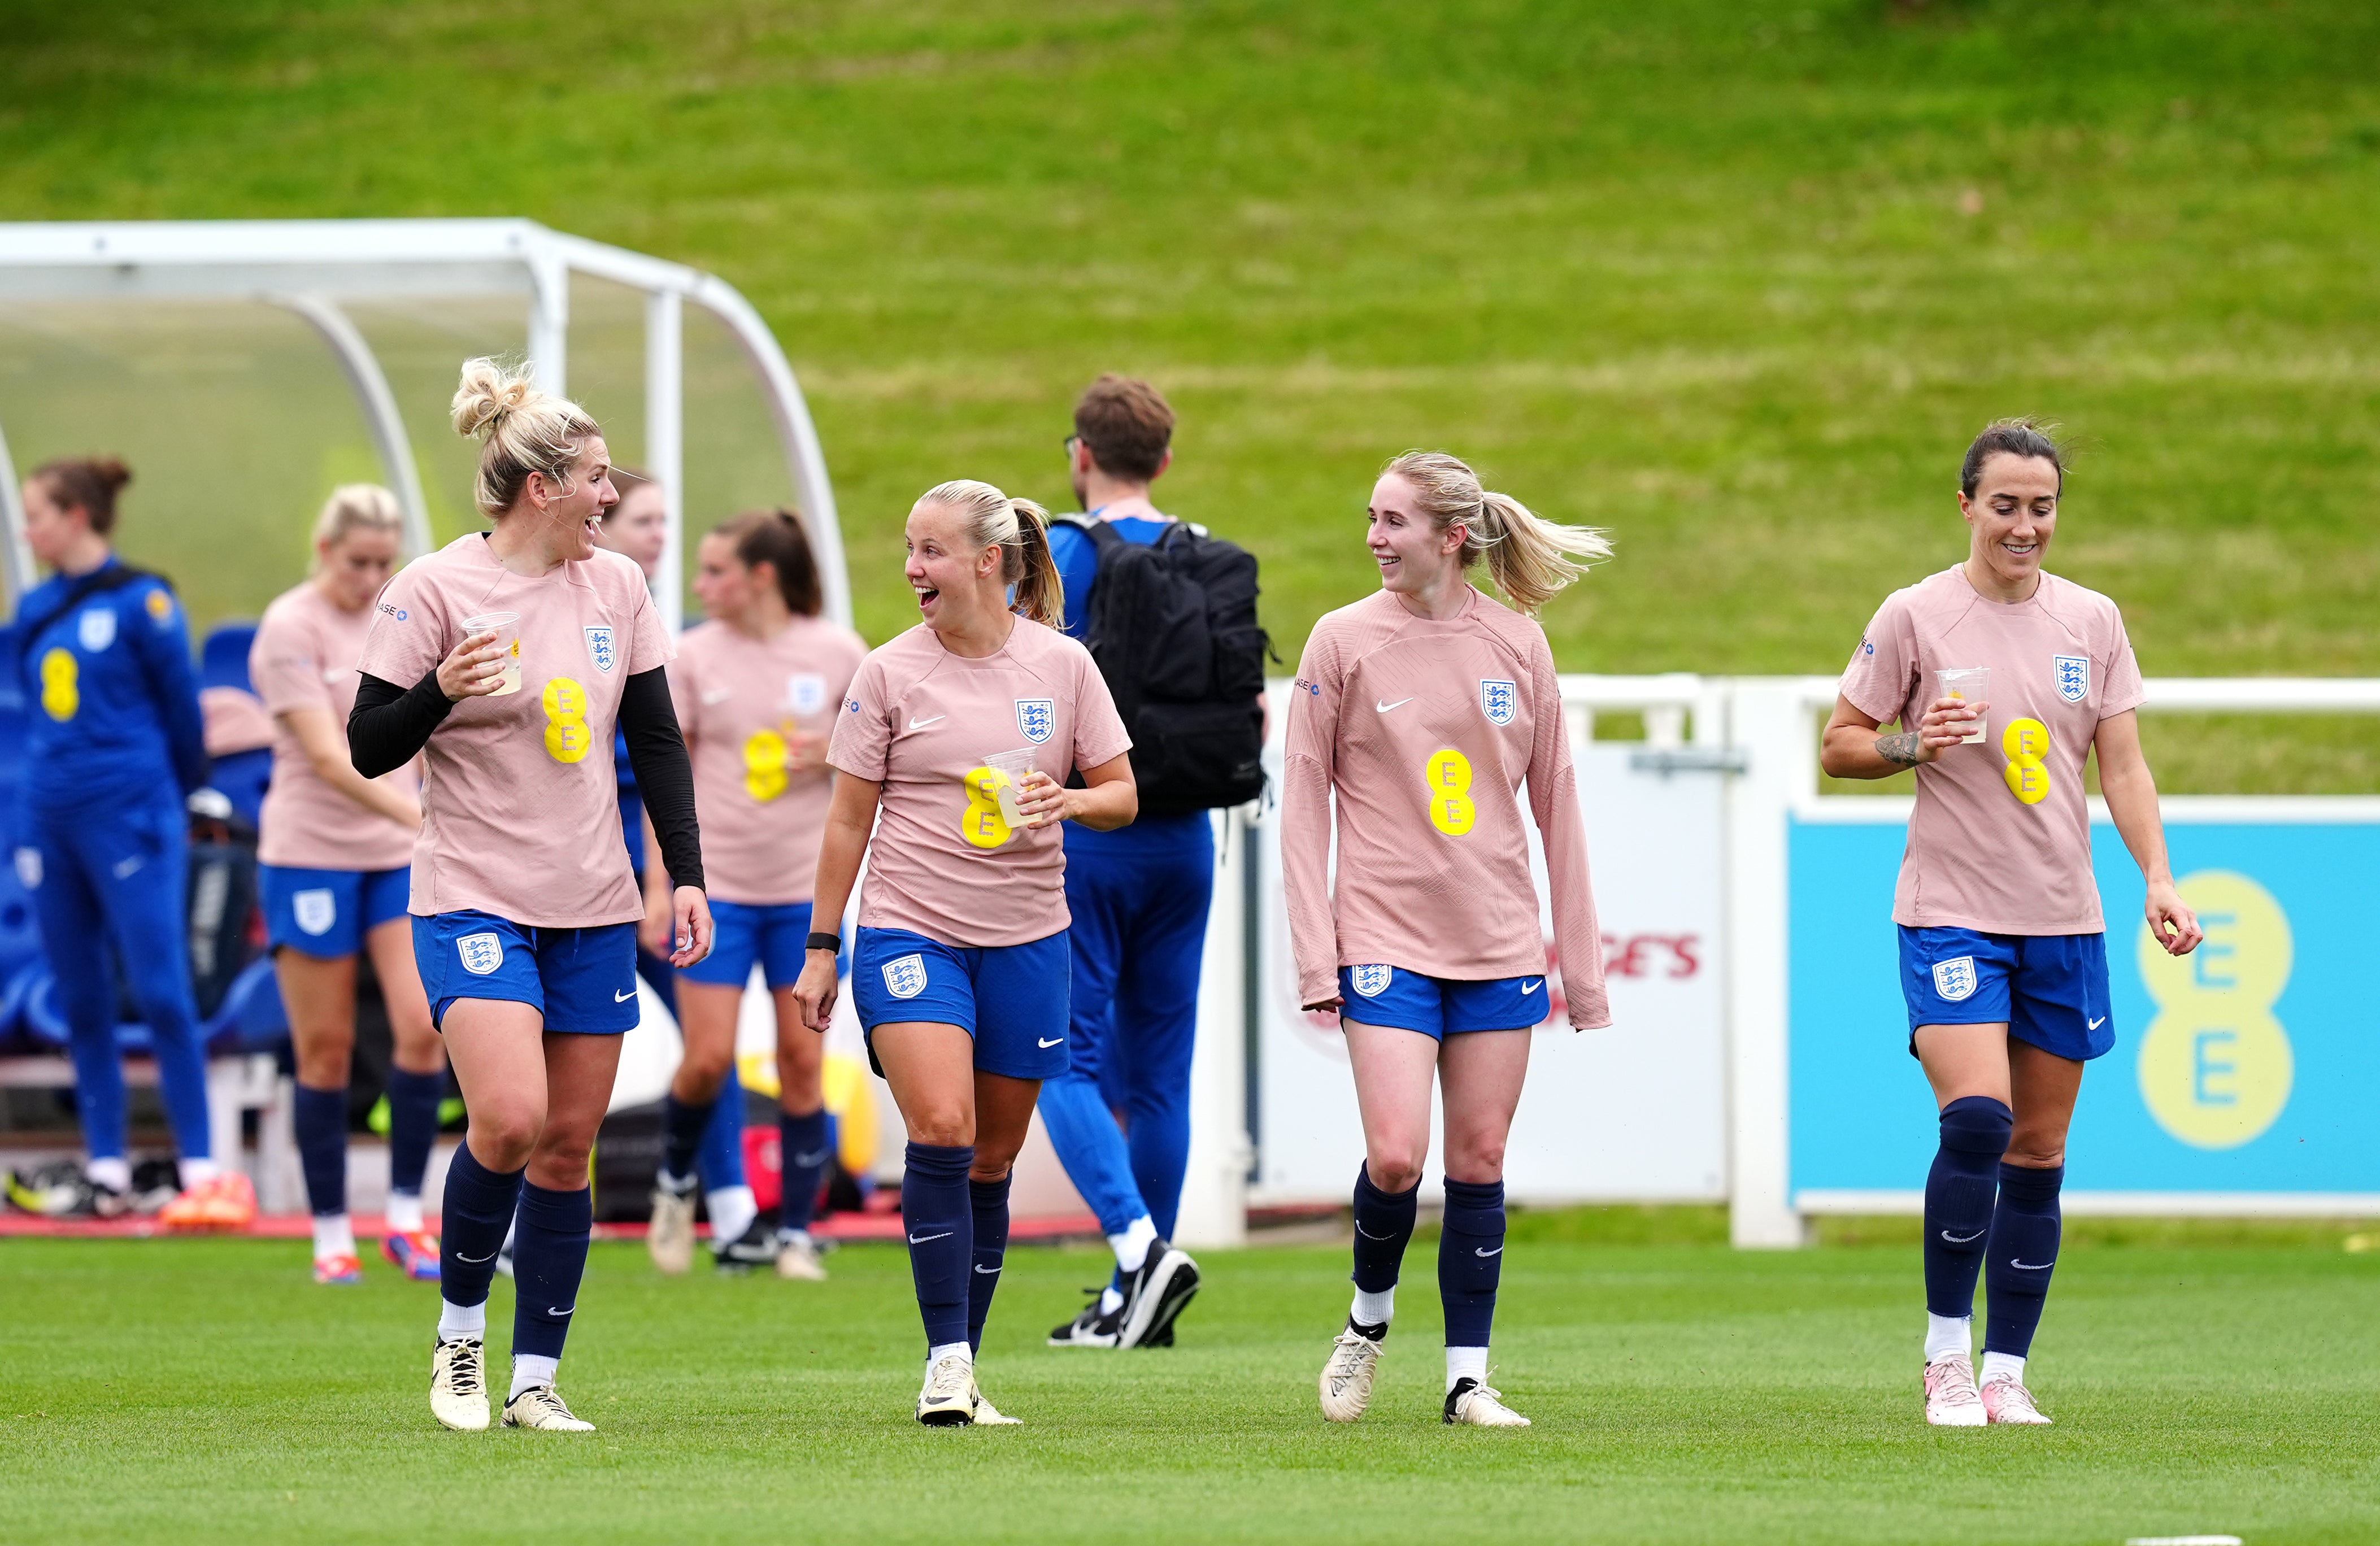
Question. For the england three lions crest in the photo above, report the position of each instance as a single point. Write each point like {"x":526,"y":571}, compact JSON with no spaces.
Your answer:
{"x":1955,"y":979}
{"x":1499,"y":700}
{"x":2073,"y":676}
{"x":601,"y":648}
{"x":1035,"y":719}
{"x":906,"y":978}
{"x":1370,"y":981}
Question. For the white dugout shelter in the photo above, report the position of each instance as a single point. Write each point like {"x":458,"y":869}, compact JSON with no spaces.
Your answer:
{"x":315,"y":268}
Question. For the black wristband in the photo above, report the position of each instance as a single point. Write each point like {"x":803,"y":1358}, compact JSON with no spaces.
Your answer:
{"x":831,"y":943}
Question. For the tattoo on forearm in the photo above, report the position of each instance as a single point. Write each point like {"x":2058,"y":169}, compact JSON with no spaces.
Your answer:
{"x":1900,"y":749}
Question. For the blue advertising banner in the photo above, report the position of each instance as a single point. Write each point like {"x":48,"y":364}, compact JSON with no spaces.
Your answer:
{"x":2247,"y":1067}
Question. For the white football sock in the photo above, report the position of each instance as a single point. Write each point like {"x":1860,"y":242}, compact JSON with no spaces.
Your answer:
{"x":462,"y":1319}
{"x":199,"y":1172}
{"x":1465,"y":1363}
{"x":404,"y":1212}
{"x":333,"y":1237}
{"x":1947,"y":1334}
{"x":1132,"y":1246}
{"x":115,"y":1173}
{"x":1110,"y":1299}
{"x":936,"y":1355}
{"x":1374,"y":1310}
{"x":733,"y":1209}
{"x":531,"y":1369}
{"x":1996,"y":1364}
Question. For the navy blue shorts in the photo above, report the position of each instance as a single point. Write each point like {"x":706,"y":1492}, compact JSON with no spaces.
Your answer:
{"x":2051,"y":989}
{"x":1011,"y":999}
{"x":1440,"y":1007}
{"x":326,"y":914}
{"x":776,"y":936}
{"x":580,"y":980}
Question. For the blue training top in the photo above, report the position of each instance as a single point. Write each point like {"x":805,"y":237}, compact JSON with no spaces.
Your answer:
{"x":1078,"y":565}
{"x":112,"y":699}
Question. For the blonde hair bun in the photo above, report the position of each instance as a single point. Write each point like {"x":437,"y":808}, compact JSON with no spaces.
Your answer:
{"x":487,"y":394}
{"x":521,"y":430}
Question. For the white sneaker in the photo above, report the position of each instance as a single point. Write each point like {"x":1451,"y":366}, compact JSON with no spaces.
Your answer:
{"x":540,"y":1406}
{"x":1347,"y":1376}
{"x":2005,"y":1399}
{"x":798,"y":1258}
{"x":669,"y":1239}
{"x":949,"y":1397}
{"x":988,"y":1416}
{"x":1481,"y":1404}
{"x":458,"y":1384}
{"x":1951,"y":1398}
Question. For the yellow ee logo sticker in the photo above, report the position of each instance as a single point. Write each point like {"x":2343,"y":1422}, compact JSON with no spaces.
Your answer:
{"x":567,"y":735}
{"x":2026,"y":742}
{"x":2215,"y":1067}
{"x":1447,"y":775}
{"x":61,"y":685}
{"x":982,"y":823}
{"x":765,"y":755}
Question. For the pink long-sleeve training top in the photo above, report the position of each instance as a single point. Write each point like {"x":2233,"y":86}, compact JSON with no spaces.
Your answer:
{"x":1426,"y":730}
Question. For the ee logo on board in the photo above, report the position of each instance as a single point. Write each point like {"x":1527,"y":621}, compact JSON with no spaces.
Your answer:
{"x":2215,"y":1067}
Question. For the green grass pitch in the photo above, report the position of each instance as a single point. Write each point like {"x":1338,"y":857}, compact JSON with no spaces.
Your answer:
{"x":1681,"y":1391}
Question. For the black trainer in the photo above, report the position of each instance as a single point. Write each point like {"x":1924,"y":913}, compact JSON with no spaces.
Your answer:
{"x":1090,"y":1329}
{"x":1155,"y":1295}
{"x":757,"y":1247}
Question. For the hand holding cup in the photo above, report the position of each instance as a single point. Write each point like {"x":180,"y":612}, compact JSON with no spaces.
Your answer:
{"x":473,"y":668}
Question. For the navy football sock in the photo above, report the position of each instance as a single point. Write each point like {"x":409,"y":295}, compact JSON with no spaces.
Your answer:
{"x":472,"y":1223}
{"x":988,"y":1203}
{"x":1384,"y":1222}
{"x":412,"y":1125}
{"x":803,"y":1150}
{"x":682,"y":1127}
{"x":938,"y":1218}
{"x":549,"y":1257}
{"x":1959,"y":1190}
{"x":321,"y":1120}
{"x":1470,"y":1259}
{"x":2023,"y":1249}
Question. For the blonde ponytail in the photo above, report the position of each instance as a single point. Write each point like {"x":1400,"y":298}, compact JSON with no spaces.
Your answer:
{"x":1530,"y":558}
{"x":1020,"y":529}
{"x":521,"y":430}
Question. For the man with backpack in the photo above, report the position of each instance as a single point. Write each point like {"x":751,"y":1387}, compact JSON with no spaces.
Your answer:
{"x":1169,"y":613}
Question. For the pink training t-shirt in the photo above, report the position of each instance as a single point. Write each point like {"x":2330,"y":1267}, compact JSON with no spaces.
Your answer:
{"x":304,"y":657}
{"x":2000,"y":841}
{"x":943,"y":862}
{"x":521,"y":804}
{"x":743,"y":705}
{"x":1426,"y":730}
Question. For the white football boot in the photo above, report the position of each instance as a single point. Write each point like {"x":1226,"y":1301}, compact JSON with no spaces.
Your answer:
{"x":670,"y":1237}
{"x":1951,"y":1398}
{"x":948,"y":1399}
{"x":540,"y":1406}
{"x":1346,"y":1384}
{"x":458,"y":1384}
{"x":797,"y":1258}
{"x":2005,"y":1399}
{"x":988,"y":1416}
{"x":1481,"y":1404}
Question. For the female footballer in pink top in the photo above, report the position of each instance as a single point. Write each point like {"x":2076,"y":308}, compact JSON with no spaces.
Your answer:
{"x":758,"y":689}
{"x":335,"y":852}
{"x":2003,"y":952}
{"x":1422,"y":709}
{"x":505,"y":659}
{"x":953,"y":747}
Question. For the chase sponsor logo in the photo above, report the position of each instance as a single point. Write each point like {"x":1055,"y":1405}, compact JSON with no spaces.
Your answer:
{"x":851,"y":704}
{"x":1315,"y":688}
{"x":95,"y":628}
{"x":906,"y":978}
{"x":1035,"y":719}
{"x":1370,"y":981}
{"x":1955,"y":979}
{"x":602,"y":648}
{"x":2072,"y":674}
{"x":1867,"y":647}
{"x":482,"y":953}
{"x":315,"y":910}
{"x":397,"y":613}
{"x":1499,"y":700}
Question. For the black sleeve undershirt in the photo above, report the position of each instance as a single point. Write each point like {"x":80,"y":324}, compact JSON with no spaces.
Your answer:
{"x":390,"y":725}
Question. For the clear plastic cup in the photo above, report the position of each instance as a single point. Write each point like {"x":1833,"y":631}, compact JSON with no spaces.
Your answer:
{"x":1968,"y":685}
{"x":505,"y":626}
{"x":1013,"y":766}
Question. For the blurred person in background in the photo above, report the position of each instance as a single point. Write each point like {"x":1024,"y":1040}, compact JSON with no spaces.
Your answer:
{"x":757,"y":688}
{"x":114,"y":749}
{"x":334,"y":858}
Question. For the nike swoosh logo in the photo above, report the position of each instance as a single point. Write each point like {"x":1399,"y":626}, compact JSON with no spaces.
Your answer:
{"x":819,"y":1159}
{"x":1384,"y":708}
{"x":125,"y":869}
{"x":558,"y":1314}
{"x":1532,"y":986}
{"x":921,"y":1239}
{"x":2096,"y":1023}
{"x":475,"y":1261}
{"x":1050,"y":1042}
{"x":1476,"y":1251}
{"x":1961,"y":1239}
{"x":624,"y":997}
{"x":916,"y":723}
{"x":988,"y":1271}
{"x":1370,"y":1236}
{"x":2033,"y":1266}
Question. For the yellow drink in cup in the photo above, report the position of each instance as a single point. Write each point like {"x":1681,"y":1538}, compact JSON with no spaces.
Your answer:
{"x":1968,"y":685}
{"x":1015,"y":768}
{"x":505,"y":626}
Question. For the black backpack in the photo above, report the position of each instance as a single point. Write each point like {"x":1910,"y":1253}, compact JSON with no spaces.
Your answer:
{"x":1173,"y":626}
